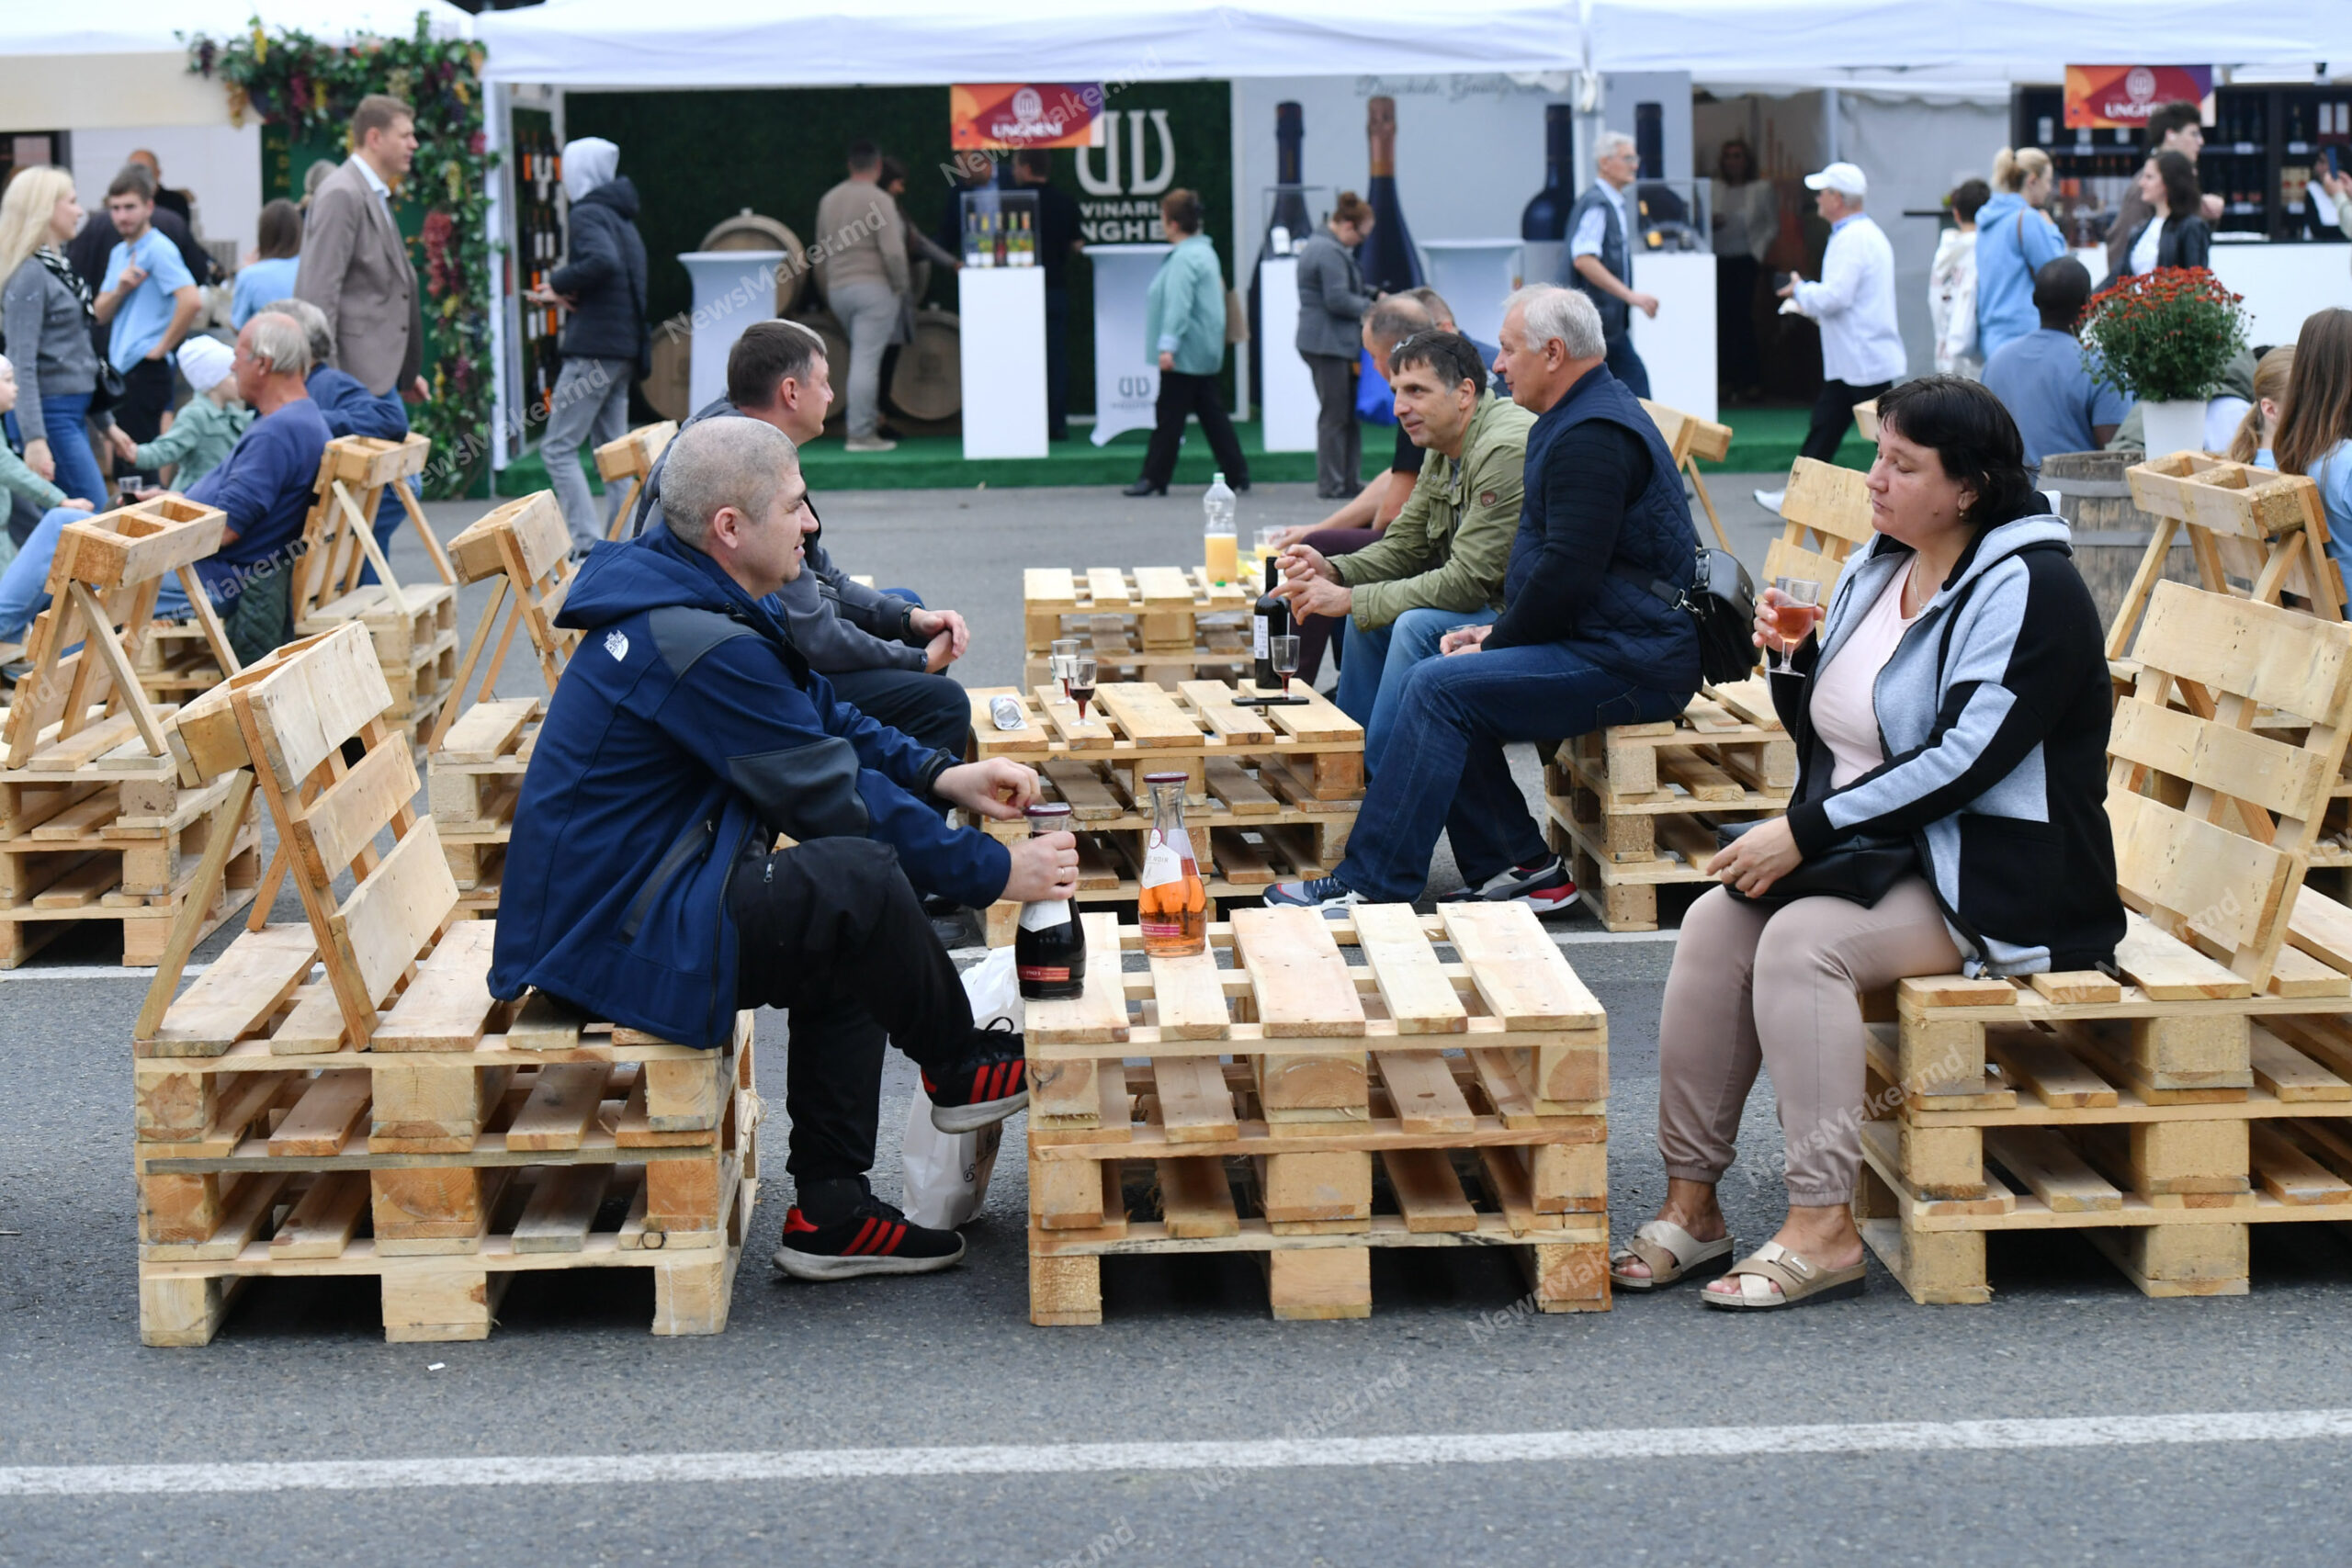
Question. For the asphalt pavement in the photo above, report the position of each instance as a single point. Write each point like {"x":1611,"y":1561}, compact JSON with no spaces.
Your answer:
{"x":1663,"y":1432}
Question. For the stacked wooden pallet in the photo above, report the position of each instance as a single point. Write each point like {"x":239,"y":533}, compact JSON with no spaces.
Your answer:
{"x":2210,"y":1086}
{"x":1636,"y":805}
{"x":1162,"y":623}
{"x":1308,"y":1109}
{"x":1272,"y":792}
{"x":482,"y":748}
{"x":391,"y":1119}
{"x":96,"y":820}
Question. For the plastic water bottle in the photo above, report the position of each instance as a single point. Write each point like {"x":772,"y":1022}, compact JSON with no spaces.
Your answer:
{"x":1220,"y":547}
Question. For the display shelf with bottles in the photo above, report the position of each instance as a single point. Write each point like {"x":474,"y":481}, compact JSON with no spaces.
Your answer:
{"x":536,"y":250}
{"x":999,"y":228}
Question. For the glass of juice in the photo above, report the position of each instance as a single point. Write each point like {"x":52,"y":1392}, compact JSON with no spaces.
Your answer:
{"x":1171,"y":902}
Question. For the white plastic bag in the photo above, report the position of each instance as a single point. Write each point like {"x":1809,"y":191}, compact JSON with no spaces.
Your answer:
{"x":947,"y":1173}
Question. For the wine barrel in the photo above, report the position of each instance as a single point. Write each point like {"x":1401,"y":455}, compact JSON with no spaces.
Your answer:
{"x":827,"y":326}
{"x":927,"y":383}
{"x":2110,"y":534}
{"x":747,"y":230}
{"x":667,"y":387}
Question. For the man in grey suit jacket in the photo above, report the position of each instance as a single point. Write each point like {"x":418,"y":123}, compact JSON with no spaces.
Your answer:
{"x":355,"y":265}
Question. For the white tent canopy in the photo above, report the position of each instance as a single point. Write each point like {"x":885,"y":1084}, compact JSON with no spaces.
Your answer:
{"x":747,"y":44}
{"x":133,"y":27}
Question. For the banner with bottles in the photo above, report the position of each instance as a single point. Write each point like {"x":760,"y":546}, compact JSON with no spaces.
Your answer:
{"x":1003,"y":115}
{"x":2121,"y":98}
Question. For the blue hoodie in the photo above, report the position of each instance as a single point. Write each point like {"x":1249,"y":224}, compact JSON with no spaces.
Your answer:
{"x":2013,"y":242}
{"x":686,"y":730}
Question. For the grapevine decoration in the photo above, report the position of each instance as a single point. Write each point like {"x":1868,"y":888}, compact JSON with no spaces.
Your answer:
{"x":310,"y":88}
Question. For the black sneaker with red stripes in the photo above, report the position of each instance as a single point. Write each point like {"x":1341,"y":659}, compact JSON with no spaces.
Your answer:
{"x":873,"y":1238}
{"x":989,"y":1085}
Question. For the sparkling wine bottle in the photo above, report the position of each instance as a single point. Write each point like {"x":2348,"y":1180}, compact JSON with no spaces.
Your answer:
{"x":1386,"y":256}
{"x":1546,"y":214}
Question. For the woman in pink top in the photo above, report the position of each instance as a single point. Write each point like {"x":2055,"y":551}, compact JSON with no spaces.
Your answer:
{"x":1953,"y":705}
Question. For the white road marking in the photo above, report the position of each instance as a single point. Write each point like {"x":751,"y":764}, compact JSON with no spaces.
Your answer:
{"x":1073,"y":1459}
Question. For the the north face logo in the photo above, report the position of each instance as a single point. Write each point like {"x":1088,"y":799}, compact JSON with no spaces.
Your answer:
{"x":616,"y":644}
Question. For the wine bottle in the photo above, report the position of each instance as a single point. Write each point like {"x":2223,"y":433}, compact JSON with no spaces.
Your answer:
{"x":1049,"y":947}
{"x":1546,"y":214}
{"x":1290,"y":195}
{"x":1268,"y":618}
{"x":1386,"y":256}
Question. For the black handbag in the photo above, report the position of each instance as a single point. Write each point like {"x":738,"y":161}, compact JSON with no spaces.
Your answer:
{"x":1858,"y":869}
{"x":1721,"y":601}
{"x":106,"y":390}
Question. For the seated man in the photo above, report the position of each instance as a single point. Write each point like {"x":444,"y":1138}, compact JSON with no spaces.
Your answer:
{"x":2040,"y":379}
{"x":265,"y":485}
{"x":641,"y":883}
{"x":1589,"y":635}
{"x":1440,"y":563}
{"x":350,"y":408}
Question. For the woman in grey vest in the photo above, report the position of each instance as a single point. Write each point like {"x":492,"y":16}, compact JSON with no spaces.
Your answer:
{"x":1331,"y":303}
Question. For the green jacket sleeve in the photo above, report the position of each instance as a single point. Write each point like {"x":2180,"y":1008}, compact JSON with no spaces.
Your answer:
{"x":1405,"y":551}
{"x":1471,"y":576}
{"x":177,"y":442}
{"x":15,"y":476}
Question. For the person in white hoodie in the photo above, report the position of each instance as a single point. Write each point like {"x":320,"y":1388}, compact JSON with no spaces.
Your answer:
{"x":1951,"y":284}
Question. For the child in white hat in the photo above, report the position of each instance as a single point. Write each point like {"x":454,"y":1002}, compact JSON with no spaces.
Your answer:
{"x":205,"y":431}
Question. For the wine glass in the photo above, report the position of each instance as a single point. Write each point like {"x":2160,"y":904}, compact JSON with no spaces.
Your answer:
{"x":1794,"y":617}
{"x":1065,"y":649}
{"x":1284,"y":652}
{"x":1267,"y":549}
{"x":1081,"y":681}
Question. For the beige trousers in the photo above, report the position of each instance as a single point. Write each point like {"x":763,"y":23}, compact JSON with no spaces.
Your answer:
{"x":1780,"y":988}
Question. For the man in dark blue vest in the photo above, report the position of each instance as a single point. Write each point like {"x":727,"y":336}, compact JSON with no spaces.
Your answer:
{"x":1586,"y":638}
{"x":1600,"y":266}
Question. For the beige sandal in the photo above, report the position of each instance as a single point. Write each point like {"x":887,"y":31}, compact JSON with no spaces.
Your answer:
{"x":1773,"y":1277}
{"x":1668,"y":1251}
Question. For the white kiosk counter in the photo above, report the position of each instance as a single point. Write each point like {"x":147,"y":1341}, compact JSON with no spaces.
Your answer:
{"x":1126,"y":377}
{"x":1679,"y":345}
{"x":1003,"y":313}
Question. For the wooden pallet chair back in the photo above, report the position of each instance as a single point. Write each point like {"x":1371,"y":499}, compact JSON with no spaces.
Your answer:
{"x":1866,"y":420}
{"x":628,"y":461}
{"x":2255,"y":526}
{"x":2221,"y":869}
{"x":83,"y":649}
{"x":1825,"y":513}
{"x":1690,"y":438}
{"x":290,"y":719}
{"x":339,"y":535}
{"x":526,"y":548}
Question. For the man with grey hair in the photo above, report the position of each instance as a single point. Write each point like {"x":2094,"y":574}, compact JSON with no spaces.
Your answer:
{"x":642,"y":884}
{"x":1591,"y":634}
{"x":264,"y":484}
{"x":1603,"y":230}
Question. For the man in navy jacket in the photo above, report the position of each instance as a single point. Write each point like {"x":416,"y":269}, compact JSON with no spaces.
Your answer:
{"x":642,"y":886}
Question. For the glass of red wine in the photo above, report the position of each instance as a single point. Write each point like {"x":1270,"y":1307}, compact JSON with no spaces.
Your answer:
{"x":1794,"y":614}
{"x":1081,"y":681}
{"x":1284,"y":653}
{"x":1065,"y":649}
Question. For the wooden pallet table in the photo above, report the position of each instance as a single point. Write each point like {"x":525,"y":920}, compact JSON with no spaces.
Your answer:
{"x":96,"y":821}
{"x":628,"y":461}
{"x":1162,"y":623}
{"x":1273,"y":793}
{"x":391,"y":1117}
{"x":1636,"y":805}
{"x":2149,"y":1085}
{"x":482,"y":745}
{"x":1271,"y":1096}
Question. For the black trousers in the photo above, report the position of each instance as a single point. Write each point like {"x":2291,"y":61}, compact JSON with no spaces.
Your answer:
{"x":1181,"y":395}
{"x":1833,"y":415}
{"x":1739,"y":362}
{"x":931,"y":708}
{"x":146,"y":399}
{"x":830,"y":932}
{"x":1626,"y":365}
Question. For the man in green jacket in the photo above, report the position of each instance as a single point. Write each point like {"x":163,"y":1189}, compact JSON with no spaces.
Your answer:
{"x":1184,"y":334}
{"x":1441,"y":564}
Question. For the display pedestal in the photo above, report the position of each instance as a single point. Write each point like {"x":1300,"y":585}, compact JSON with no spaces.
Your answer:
{"x":1127,"y":375}
{"x":1474,"y":275}
{"x":1679,"y":347}
{"x":1003,"y":314}
{"x":1288,"y":396}
{"x":732,"y":289}
{"x":2283,"y":283}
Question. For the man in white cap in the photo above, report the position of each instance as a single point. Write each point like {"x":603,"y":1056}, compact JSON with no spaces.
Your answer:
{"x":1862,"y":349}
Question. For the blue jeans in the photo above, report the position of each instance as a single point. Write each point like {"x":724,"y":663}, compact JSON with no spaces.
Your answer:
{"x":69,"y":446}
{"x":1626,"y":365}
{"x":1449,"y":771}
{"x":24,"y":587}
{"x":1372,"y":682}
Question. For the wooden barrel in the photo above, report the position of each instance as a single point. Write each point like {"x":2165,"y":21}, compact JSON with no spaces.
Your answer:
{"x":2110,"y":534}
{"x":927,"y":383}
{"x":747,"y":230}
{"x":827,"y":326}
{"x":667,"y":387}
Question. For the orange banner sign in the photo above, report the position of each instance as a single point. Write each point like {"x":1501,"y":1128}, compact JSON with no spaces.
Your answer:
{"x":1022,"y":114}
{"x":2109,"y":97}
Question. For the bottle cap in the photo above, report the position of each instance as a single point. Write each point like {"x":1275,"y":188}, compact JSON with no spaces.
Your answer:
{"x":1051,"y":808}
{"x":1166,"y":778}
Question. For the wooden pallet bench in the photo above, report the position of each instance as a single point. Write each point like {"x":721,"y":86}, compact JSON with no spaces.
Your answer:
{"x":113,"y":855}
{"x":2227,"y":962}
{"x":1688,"y":438}
{"x":1270,"y":1096}
{"x":1635,"y":806}
{"x":391,"y":1117}
{"x":1160,"y":624}
{"x":1271,"y":794}
{"x":628,"y":461}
